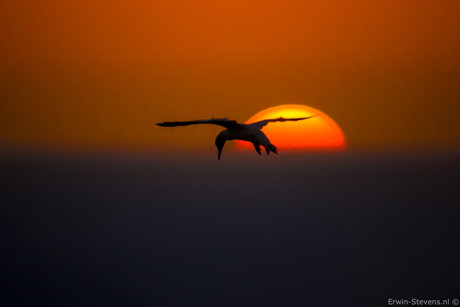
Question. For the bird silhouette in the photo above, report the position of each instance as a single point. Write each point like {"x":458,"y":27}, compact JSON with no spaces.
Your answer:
{"x":237,"y":131}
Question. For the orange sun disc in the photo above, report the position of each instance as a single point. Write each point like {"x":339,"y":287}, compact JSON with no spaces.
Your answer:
{"x":319,"y":132}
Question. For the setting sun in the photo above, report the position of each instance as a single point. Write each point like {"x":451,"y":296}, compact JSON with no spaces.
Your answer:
{"x":320,"y":132}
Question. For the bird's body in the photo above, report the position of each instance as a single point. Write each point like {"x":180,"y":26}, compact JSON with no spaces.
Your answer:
{"x":237,"y":131}
{"x":246,"y":133}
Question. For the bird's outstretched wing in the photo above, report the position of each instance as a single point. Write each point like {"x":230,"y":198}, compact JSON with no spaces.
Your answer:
{"x":224,"y":122}
{"x":262,"y":123}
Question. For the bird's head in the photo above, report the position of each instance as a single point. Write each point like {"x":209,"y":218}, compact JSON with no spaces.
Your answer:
{"x":221,"y":138}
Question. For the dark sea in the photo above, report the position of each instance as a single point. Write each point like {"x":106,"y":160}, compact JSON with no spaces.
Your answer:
{"x":318,"y":229}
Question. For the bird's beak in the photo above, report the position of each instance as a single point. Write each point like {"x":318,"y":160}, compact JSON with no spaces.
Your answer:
{"x":219,"y":152}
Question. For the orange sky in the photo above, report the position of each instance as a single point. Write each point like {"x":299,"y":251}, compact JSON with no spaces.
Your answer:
{"x":99,"y":74}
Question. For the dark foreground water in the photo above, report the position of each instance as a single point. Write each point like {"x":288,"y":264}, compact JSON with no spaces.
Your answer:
{"x":287,"y":230}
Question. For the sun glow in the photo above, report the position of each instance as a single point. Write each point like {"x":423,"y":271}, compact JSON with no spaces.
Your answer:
{"x":319,"y":132}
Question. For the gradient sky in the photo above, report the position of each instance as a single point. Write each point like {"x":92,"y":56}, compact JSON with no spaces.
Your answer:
{"x":99,"y":74}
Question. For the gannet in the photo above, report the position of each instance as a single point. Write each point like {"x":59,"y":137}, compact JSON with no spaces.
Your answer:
{"x":237,"y":131}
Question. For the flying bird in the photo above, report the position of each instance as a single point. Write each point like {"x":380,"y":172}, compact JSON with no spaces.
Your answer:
{"x":237,"y":131}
